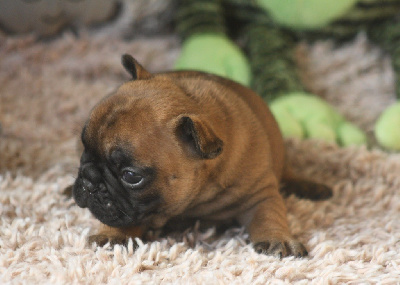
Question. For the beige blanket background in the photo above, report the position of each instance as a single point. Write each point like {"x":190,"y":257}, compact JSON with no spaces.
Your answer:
{"x":48,"y":87}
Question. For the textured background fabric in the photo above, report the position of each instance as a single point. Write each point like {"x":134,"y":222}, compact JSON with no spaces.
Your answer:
{"x":46,"y":91}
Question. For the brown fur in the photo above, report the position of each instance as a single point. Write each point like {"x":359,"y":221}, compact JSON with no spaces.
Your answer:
{"x":233,"y":171}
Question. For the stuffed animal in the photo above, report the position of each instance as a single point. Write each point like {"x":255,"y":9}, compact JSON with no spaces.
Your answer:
{"x":268,"y":31}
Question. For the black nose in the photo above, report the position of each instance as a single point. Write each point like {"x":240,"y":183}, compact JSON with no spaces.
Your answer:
{"x":88,"y":186}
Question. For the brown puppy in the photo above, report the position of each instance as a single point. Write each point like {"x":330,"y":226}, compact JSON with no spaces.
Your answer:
{"x":186,"y":145}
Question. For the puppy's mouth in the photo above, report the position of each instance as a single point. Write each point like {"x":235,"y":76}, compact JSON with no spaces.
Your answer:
{"x":98,"y":199}
{"x":109,"y":202}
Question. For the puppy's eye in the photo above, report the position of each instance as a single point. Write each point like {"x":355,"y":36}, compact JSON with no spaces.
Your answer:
{"x":131,"y":177}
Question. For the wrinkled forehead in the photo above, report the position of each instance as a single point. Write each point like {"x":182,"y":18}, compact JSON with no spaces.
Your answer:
{"x":121,"y":121}
{"x":141,"y":114}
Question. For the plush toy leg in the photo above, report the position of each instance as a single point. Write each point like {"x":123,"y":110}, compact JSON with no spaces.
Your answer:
{"x":214,"y":53}
{"x":387,"y":128}
{"x":206,"y":47}
{"x":304,"y":115}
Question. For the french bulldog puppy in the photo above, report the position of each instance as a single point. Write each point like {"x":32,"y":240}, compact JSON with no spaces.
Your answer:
{"x":187,"y":145}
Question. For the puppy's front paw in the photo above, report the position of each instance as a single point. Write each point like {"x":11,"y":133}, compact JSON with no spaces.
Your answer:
{"x":101,"y":240}
{"x":281,"y":248}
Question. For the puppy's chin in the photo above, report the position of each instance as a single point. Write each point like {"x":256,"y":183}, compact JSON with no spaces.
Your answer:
{"x":111,"y":215}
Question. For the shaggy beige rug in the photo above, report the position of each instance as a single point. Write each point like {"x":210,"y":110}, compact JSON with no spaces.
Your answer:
{"x":46,"y":91}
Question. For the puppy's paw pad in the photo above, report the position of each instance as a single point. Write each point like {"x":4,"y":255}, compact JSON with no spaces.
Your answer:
{"x":281,"y":248}
{"x":102,"y":239}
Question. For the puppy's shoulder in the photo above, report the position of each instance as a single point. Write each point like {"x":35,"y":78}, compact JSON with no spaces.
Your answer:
{"x":197,"y":82}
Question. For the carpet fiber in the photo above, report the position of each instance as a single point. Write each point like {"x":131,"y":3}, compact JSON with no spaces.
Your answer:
{"x":46,"y":91}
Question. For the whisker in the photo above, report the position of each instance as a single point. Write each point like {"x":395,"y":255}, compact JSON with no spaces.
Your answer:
{"x":124,"y":213}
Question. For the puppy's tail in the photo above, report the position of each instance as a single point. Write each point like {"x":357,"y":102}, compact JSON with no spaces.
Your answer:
{"x":305,"y":189}
{"x":302,"y":188}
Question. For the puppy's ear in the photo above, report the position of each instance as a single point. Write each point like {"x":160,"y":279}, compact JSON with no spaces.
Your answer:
{"x":134,"y":68}
{"x":199,"y":137}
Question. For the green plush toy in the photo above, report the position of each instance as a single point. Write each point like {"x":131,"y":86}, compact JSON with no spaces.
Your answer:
{"x":268,"y":31}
